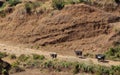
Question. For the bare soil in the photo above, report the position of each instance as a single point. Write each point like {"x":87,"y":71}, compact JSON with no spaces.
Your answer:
{"x":38,"y":72}
{"x":78,"y":26}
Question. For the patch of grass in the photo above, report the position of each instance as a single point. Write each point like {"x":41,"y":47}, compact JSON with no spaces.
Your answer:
{"x":4,"y":71}
{"x":58,"y":4}
{"x":23,"y":58}
{"x":12,"y":56}
{"x":15,"y":67}
{"x":113,"y":53}
{"x":3,"y":6}
{"x":88,"y":55}
{"x":2,"y":14}
{"x":74,"y":1}
{"x":14,"y":2}
{"x":3,"y":54}
{"x":33,"y":64}
{"x":35,"y":47}
{"x":75,"y":67}
{"x":48,"y":64}
{"x":38,"y":57}
{"x":31,"y":6}
{"x":65,"y":64}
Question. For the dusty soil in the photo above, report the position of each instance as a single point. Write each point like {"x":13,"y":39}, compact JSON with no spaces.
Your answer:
{"x":78,"y":26}
{"x":38,"y":72}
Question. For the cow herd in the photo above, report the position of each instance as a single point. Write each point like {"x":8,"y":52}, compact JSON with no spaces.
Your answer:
{"x":79,"y":53}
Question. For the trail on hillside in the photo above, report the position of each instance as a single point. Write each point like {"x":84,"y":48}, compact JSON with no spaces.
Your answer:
{"x":21,"y":50}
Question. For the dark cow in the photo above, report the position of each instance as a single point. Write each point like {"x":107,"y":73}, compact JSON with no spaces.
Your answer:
{"x":53,"y":55}
{"x":78,"y":53}
{"x":100,"y":57}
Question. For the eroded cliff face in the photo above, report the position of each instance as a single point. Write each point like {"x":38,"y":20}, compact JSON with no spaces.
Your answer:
{"x":78,"y":26}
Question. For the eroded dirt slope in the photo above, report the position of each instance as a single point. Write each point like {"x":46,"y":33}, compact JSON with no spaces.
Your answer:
{"x":76,"y":26}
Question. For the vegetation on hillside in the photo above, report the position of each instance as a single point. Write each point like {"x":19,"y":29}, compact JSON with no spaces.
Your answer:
{"x":4,"y":66}
{"x":59,"y":4}
{"x":13,"y":2}
{"x":40,"y":62}
{"x":113,"y":53}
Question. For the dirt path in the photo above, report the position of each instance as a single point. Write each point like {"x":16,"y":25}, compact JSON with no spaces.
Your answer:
{"x":20,"y":50}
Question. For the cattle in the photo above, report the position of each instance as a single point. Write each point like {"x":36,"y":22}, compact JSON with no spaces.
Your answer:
{"x":53,"y":55}
{"x":78,"y":53}
{"x":100,"y":57}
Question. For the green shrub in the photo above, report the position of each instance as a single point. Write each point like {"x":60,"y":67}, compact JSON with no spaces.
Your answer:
{"x":13,"y":56}
{"x":3,"y":54}
{"x":113,"y":53}
{"x":30,"y":6}
{"x":16,"y":69}
{"x":38,"y":57}
{"x":14,"y":2}
{"x":23,"y":58}
{"x":75,"y":1}
{"x":65,"y":64}
{"x":58,"y":4}
{"x":3,"y":6}
{"x":76,"y":68}
{"x":33,"y":64}
{"x":15,"y":64}
{"x":102,"y":70}
{"x":48,"y":64}
{"x":57,"y":65}
{"x":2,"y":14}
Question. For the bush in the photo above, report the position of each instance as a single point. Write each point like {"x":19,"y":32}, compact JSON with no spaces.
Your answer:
{"x":16,"y":69}
{"x":2,"y":14}
{"x":14,"y":2}
{"x":113,"y":53}
{"x":33,"y":64}
{"x":58,"y":4}
{"x":30,"y":6}
{"x":76,"y":68}
{"x":48,"y":64}
{"x":65,"y":64}
{"x":2,"y":55}
{"x":4,"y":71}
{"x":23,"y":58}
{"x":75,"y":1}
{"x":13,"y":56}
{"x":38,"y":57}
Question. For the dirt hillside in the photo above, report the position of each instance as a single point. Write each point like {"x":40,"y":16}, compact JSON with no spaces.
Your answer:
{"x":78,"y":26}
